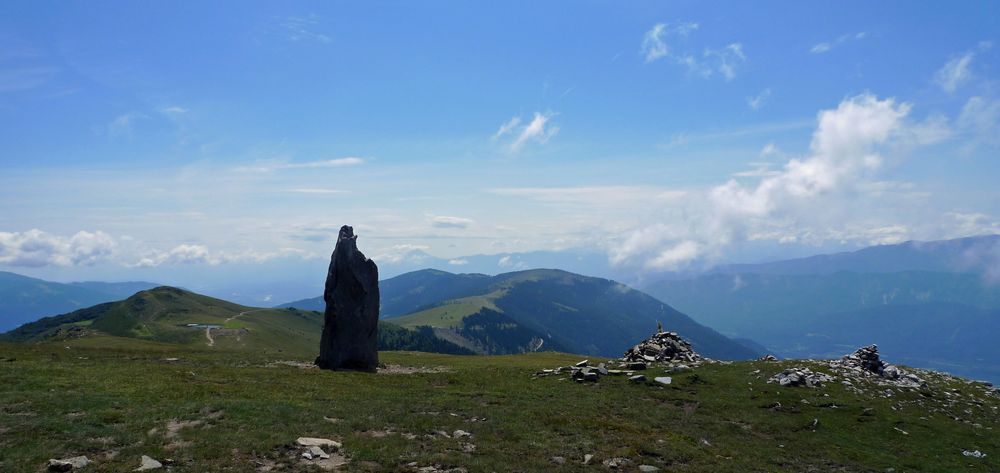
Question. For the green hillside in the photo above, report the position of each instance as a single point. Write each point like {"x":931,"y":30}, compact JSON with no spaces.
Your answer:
{"x":24,"y":299}
{"x":242,"y":411}
{"x":553,"y":309}
{"x":174,"y":316}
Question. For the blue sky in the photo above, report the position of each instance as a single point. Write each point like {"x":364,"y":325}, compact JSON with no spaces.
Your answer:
{"x":167,"y":140}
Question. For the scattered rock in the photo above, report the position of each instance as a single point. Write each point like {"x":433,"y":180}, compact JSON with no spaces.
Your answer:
{"x":587,"y":458}
{"x":637,"y":378}
{"x":663,"y":379}
{"x":460,"y":433}
{"x":800,"y":377}
{"x":318,"y":453}
{"x":68,"y":464}
{"x":558,"y":460}
{"x":318,"y":442}
{"x":581,"y":364}
{"x":648,"y":468}
{"x":973,"y":453}
{"x":350,"y":335}
{"x":768,"y":358}
{"x":147,"y":463}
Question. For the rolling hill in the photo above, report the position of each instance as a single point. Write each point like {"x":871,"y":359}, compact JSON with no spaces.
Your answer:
{"x":536,"y":310}
{"x":24,"y":299}
{"x":175,"y":316}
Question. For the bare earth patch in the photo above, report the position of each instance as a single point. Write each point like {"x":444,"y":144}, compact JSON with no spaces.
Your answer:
{"x":400,"y":369}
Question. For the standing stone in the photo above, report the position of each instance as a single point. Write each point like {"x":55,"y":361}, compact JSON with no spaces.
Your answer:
{"x":350,"y":329}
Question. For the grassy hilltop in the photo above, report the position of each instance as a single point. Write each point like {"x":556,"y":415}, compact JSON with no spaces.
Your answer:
{"x":112,"y":398}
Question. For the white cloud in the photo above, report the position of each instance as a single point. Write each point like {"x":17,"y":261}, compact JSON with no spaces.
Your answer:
{"x":539,"y":131}
{"x":980,"y":119}
{"x":507,"y":127}
{"x":845,"y":150}
{"x":827,"y":46}
{"x":450,"y":222}
{"x":35,"y":248}
{"x":174,"y":110}
{"x":955,"y":72}
{"x":190,"y":254}
{"x":280,"y":164}
{"x":303,"y":29}
{"x":458,"y":262}
{"x":723,"y":61}
{"x":122,"y":125}
{"x":654,"y":45}
{"x":404,"y":253}
{"x":757,"y":101}
{"x":594,"y":196}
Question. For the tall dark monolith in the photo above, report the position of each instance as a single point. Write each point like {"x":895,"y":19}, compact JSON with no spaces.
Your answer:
{"x":350,"y":329}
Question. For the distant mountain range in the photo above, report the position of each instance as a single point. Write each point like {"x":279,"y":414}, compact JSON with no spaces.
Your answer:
{"x":925,"y":303}
{"x":536,"y":309}
{"x":24,"y":299}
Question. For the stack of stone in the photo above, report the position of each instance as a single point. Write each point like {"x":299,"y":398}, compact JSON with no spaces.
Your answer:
{"x":662,"y":347}
{"x":866,"y":363}
{"x":800,"y":377}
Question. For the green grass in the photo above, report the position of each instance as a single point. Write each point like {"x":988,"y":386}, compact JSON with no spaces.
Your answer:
{"x":449,"y":314}
{"x":106,"y":394}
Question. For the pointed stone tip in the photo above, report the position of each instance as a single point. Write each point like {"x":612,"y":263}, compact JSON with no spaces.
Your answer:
{"x":346,"y":231}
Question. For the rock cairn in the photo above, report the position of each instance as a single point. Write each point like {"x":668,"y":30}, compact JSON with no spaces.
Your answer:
{"x":350,"y":324}
{"x":866,"y":363}
{"x":662,"y":347}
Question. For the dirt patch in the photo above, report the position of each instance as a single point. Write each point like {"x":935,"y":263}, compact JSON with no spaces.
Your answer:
{"x":294,"y":364}
{"x":175,"y":426}
{"x":399,"y":369}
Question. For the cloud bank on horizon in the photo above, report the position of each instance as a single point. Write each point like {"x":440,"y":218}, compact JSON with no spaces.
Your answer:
{"x":668,"y":142}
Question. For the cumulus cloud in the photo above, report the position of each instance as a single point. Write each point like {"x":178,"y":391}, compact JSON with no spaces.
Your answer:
{"x":281,"y":164}
{"x":955,"y":72}
{"x":405,"y":253}
{"x":442,"y":221}
{"x":846,"y":149}
{"x":35,"y":248}
{"x":193,"y":254}
{"x":539,"y":131}
{"x":458,"y":262}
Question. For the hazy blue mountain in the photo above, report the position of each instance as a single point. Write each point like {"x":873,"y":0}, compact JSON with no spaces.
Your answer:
{"x":952,"y":337}
{"x":752,"y":305}
{"x":24,"y":299}
{"x":822,"y":315}
{"x":972,"y":254}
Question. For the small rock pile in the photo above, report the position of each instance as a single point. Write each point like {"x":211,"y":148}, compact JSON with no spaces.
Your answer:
{"x":800,"y":377}
{"x":320,"y":452}
{"x":662,"y":347}
{"x":866,"y":362}
{"x":583,"y":371}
